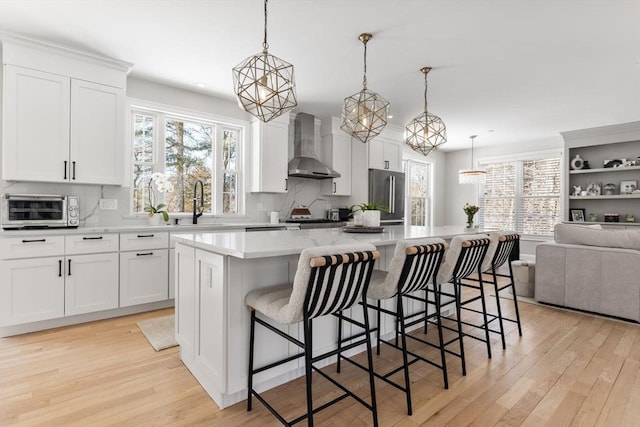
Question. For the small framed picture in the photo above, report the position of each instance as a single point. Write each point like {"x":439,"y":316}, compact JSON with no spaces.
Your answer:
{"x":594,"y":189}
{"x":628,"y":187}
{"x":576,"y":215}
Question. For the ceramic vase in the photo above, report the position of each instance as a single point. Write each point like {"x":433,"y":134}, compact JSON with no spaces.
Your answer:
{"x":371,"y":218}
{"x":156,"y":219}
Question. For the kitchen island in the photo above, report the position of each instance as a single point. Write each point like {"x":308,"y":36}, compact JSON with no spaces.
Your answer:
{"x":214,"y":272}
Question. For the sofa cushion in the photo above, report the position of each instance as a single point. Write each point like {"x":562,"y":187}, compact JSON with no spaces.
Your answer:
{"x":574,"y":234}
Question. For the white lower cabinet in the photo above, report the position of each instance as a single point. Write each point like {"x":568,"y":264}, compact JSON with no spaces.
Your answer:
{"x":31,"y":290}
{"x":91,"y":283}
{"x":144,"y":276}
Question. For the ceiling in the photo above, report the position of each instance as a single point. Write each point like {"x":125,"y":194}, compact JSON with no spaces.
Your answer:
{"x":509,"y":71}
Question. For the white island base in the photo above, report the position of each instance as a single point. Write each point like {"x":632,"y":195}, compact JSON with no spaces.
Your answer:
{"x":214,"y":272}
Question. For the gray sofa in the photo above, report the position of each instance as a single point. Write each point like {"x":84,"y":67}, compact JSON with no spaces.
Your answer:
{"x":591,"y":269}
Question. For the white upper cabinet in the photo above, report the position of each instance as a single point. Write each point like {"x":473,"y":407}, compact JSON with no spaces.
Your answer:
{"x":97,"y":133}
{"x":63,"y":114}
{"x":270,"y":155}
{"x":385,"y":154}
{"x":337,"y":153}
{"x":35,"y":125}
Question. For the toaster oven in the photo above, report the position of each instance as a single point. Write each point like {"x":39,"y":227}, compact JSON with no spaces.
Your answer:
{"x":23,"y":211}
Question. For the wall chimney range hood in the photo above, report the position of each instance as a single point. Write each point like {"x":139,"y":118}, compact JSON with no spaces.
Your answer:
{"x":304,"y":163}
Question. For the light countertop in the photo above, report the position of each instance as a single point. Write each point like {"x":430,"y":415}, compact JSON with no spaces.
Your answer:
{"x":278,"y":243}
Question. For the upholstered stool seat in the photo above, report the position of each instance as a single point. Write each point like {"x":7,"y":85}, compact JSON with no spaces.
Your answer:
{"x":328,"y":280}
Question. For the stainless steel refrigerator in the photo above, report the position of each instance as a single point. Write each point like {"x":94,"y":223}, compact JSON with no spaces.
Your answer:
{"x":387,"y":188}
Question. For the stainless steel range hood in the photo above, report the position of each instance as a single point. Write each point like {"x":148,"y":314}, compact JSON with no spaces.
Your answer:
{"x":304,"y":163}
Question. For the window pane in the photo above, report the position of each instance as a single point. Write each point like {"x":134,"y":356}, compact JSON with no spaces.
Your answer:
{"x":419,"y":197}
{"x":143,"y":138}
{"x":141,"y":178}
{"x":539,"y":215}
{"x":229,"y":193}
{"x":499,"y":214}
{"x":229,"y":149}
{"x":418,"y":180}
{"x":540,"y":177}
{"x":418,"y":210}
{"x":189,"y":158}
{"x":500,"y":180}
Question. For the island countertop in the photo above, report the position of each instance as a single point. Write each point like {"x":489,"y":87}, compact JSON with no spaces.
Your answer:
{"x":291,"y":242}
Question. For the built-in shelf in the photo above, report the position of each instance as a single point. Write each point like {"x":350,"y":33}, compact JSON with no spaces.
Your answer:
{"x":615,"y":196}
{"x":620,"y":169}
{"x":620,"y":223}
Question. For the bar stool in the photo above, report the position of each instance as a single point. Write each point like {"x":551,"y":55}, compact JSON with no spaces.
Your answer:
{"x":463,"y":258}
{"x":328,"y":280}
{"x":413,"y":268}
{"x":504,"y":247}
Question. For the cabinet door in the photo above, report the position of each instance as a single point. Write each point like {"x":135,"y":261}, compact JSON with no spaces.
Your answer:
{"x":376,"y":154}
{"x":172,"y":273}
{"x":144,"y":276}
{"x":393,"y":155}
{"x":91,"y":283}
{"x":97,"y":133}
{"x":35,"y":143}
{"x":186,"y":301}
{"x":340,"y":161}
{"x":211,"y":343}
{"x":31,"y":290}
{"x":270,"y":157}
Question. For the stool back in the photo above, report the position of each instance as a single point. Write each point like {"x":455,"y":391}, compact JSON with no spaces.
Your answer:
{"x":464,"y":257}
{"x":504,"y":246}
{"x":331,"y":279}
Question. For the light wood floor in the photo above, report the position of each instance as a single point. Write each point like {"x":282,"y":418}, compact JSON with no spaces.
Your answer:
{"x":567,"y":369}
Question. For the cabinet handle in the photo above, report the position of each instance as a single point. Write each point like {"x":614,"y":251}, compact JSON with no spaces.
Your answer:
{"x":286,"y":184}
{"x":59,"y":268}
{"x":145,"y":254}
{"x":145,"y":235}
{"x":334,"y":188}
{"x":386,"y":164}
{"x":69,"y":268}
{"x":92,"y":238}
{"x":73,"y":165}
{"x":65,"y":169}
{"x":33,"y":240}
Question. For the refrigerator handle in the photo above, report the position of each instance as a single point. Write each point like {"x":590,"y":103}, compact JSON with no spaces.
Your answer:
{"x":391,"y":193}
{"x":392,"y":196}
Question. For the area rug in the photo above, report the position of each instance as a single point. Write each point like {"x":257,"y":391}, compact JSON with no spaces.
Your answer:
{"x":159,"y":332}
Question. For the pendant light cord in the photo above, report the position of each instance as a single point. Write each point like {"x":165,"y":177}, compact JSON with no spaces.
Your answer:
{"x":425,"y":94}
{"x":265,"y":45}
{"x":364,"y":79}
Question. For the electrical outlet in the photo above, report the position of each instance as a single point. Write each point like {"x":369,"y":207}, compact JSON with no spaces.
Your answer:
{"x":109,"y":204}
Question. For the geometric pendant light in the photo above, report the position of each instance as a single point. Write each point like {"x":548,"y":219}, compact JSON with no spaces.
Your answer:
{"x":426,"y":132}
{"x":364,"y":114}
{"x":471,"y":176}
{"x":264,"y":84}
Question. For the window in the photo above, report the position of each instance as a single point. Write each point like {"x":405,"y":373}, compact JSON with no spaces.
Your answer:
{"x":521,"y":195}
{"x":185,"y":150}
{"x":419,"y":189}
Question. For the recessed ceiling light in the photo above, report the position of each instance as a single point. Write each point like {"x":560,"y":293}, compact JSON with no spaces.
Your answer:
{"x":490,"y":130}
{"x":390,"y":116}
{"x":200,"y":84}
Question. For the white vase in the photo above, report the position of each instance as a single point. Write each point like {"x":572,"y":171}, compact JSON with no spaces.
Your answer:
{"x":156,"y":219}
{"x":371,"y":218}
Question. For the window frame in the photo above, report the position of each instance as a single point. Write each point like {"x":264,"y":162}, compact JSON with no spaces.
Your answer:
{"x":519,"y":159}
{"x":162,"y":112}
{"x":406,"y":166}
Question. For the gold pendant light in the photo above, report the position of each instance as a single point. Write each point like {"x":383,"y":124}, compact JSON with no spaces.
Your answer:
{"x":264,"y":84}
{"x":426,"y":132}
{"x":471,"y":176}
{"x":364,"y":114}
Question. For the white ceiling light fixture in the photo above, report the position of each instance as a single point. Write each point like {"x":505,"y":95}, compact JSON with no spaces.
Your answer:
{"x":364,"y":114}
{"x":264,"y":84}
{"x":471,"y":176}
{"x":426,"y":132}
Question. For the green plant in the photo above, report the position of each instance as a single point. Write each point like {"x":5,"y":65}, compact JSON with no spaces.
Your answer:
{"x":160,"y":209}
{"x":470,"y":210}
{"x":375,"y":206}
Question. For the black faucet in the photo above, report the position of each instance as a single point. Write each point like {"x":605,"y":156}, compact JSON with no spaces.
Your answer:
{"x":197,"y":214}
